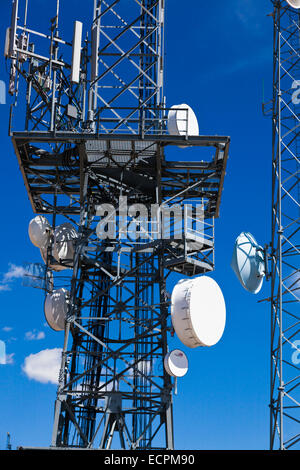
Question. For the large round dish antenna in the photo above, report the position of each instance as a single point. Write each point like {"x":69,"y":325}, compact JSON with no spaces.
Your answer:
{"x":64,"y":242}
{"x":176,"y":363}
{"x":39,"y":231}
{"x":56,"y":308}
{"x":248,"y":262}
{"x":198,"y":311}
{"x":294,"y":3}
{"x":182,"y":121}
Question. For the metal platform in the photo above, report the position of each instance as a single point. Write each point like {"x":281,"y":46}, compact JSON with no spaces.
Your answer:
{"x":55,"y":164}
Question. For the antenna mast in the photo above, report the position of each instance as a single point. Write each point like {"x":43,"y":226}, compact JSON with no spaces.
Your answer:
{"x":285,"y":245}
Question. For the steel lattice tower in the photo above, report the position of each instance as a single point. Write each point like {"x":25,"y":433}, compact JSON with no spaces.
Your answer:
{"x":89,"y":148}
{"x":119,"y":348}
{"x":285,"y":246}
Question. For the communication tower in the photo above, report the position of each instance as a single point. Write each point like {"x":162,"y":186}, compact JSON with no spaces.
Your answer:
{"x":93,"y":148}
{"x":279,"y":261}
{"x":285,"y":244}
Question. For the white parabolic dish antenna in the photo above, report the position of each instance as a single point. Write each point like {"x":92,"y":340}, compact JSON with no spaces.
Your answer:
{"x":294,"y":3}
{"x":182,"y":121}
{"x":64,"y":241}
{"x":248,"y":262}
{"x":198,"y":311}
{"x":39,"y":231}
{"x":56,"y":308}
{"x":176,"y":363}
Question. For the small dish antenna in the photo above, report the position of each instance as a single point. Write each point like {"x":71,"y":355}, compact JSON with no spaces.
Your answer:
{"x":176,"y":363}
{"x":39,"y":231}
{"x":182,"y":121}
{"x":56,"y":308}
{"x":294,"y":3}
{"x":198,"y":311}
{"x":248,"y":262}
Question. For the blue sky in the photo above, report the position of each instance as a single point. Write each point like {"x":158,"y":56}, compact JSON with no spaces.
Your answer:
{"x":218,"y":54}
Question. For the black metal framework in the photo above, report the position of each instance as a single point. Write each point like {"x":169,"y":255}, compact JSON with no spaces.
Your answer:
{"x":103,"y":142}
{"x":127,"y":66}
{"x":285,"y":246}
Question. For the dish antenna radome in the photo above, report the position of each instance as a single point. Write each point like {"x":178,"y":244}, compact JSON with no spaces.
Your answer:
{"x":198,"y":311}
{"x":294,"y":3}
{"x":248,"y":262}
{"x":56,"y":308}
{"x":65,"y":236}
{"x":39,"y":231}
{"x":176,"y":363}
{"x":182,"y":121}
{"x":54,"y":266}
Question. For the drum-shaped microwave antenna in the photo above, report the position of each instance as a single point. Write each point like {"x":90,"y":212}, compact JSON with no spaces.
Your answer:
{"x":56,"y":308}
{"x":294,"y":3}
{"x":65,"y":236}
{"x":39,"y":231}
{"x":54,"y":266}
{"x":198,"y":311}
{"x":182,"y":121}
{"x":248,"y":262}
{"x":176,"y":363}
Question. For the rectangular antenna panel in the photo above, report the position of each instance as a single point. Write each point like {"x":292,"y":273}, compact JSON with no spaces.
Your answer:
{"x":7,"y":39}
{"x":95,"y":47}
{"x":13,"y":28}
{"x":76,"y":56}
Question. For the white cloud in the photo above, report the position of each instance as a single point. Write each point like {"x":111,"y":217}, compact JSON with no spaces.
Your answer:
{"x":34,"y":335}
{"x":107,"y":388}
{"x":142,"y":366}
{"x":11,"y":339}
{"x":4,"y":287}
{"x":14,"y":272}
{"x":7,"y":359}
{"x":250,"y":15}
{"x":43,"y":366}
{"x":7,"y":328}
{"x":10,"y":358}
